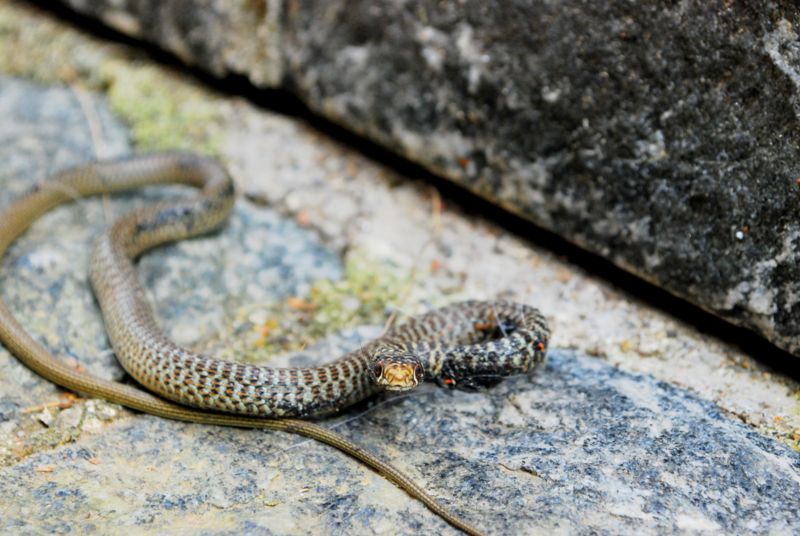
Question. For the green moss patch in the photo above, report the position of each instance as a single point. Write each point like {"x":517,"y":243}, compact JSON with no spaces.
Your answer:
{"x":163,"y":112}
{"x":163,"y":109}
{"x":364,"y":296}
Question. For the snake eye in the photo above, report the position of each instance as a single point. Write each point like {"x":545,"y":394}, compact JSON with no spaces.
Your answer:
{"x":419,"y":372}
{"x":377,"y":369}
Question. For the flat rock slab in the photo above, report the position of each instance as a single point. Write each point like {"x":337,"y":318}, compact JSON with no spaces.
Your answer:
{"x":663,"y":138}
{"x":579,"y":447}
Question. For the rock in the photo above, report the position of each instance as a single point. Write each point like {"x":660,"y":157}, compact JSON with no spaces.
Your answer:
{"x":70,"y":417}
{"x":581,"y":446}
{"x":662,"y":138}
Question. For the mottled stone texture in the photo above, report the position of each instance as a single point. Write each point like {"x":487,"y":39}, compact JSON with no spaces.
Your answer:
{"x":663,"y":137}
{"x":221,"y":36}
{"x":580,"y":448}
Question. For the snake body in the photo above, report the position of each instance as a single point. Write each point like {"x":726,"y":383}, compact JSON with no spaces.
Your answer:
{"x":466,"y":345}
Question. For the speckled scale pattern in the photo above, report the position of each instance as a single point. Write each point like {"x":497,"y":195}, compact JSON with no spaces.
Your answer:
{"x":470,"y":344}
{"x":475,"y":343}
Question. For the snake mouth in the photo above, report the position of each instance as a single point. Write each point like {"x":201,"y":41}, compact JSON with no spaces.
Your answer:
{"x":398,"y":377}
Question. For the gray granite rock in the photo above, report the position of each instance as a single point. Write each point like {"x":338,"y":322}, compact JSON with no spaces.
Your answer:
{"x":580,"y":447}
{"x":664,"y":138}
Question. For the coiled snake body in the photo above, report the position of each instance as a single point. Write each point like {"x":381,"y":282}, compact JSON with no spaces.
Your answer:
{"x":469,"y":344}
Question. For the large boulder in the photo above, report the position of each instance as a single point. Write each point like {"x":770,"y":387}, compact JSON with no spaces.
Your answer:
{"x":664,"y":138}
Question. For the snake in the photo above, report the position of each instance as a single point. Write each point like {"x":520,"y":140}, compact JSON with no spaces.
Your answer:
{"x":467,"y":345}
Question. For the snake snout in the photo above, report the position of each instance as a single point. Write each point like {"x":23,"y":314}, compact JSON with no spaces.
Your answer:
{"x":398,"y":374}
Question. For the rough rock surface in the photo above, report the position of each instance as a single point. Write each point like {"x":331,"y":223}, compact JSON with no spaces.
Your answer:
{"x":579,"y":447}
{"x":662,"y":137}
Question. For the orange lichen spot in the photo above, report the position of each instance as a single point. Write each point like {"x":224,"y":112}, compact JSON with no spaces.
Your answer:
{"x":303,"y":218}
{"x":778,"y":419}
{"x":437,"y":204}
{"x":463,"y":162}
{"x":300,"y":304}
{"x":449,"y":381}
{"x":563,"y":276}
{"x":265,"y":330}
{"x":43,"y":469}
{"x":540,"y":346}
{"x":436,"y":265}
{"x":94,"y":461}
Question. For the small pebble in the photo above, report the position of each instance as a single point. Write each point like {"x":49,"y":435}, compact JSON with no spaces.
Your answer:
{"x":45,"y":417}
{"x":70,"y":417}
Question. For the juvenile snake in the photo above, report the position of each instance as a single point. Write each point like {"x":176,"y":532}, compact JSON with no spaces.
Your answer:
{"x":470,"y":344}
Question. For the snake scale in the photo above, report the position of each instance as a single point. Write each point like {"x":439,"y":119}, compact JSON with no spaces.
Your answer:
{"x":466,"y":345}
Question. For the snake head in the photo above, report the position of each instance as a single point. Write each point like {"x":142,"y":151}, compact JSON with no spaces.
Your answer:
{"x":397,"y":372}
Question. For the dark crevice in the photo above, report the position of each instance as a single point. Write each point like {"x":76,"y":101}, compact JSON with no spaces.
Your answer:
{"x":284,"y":103}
